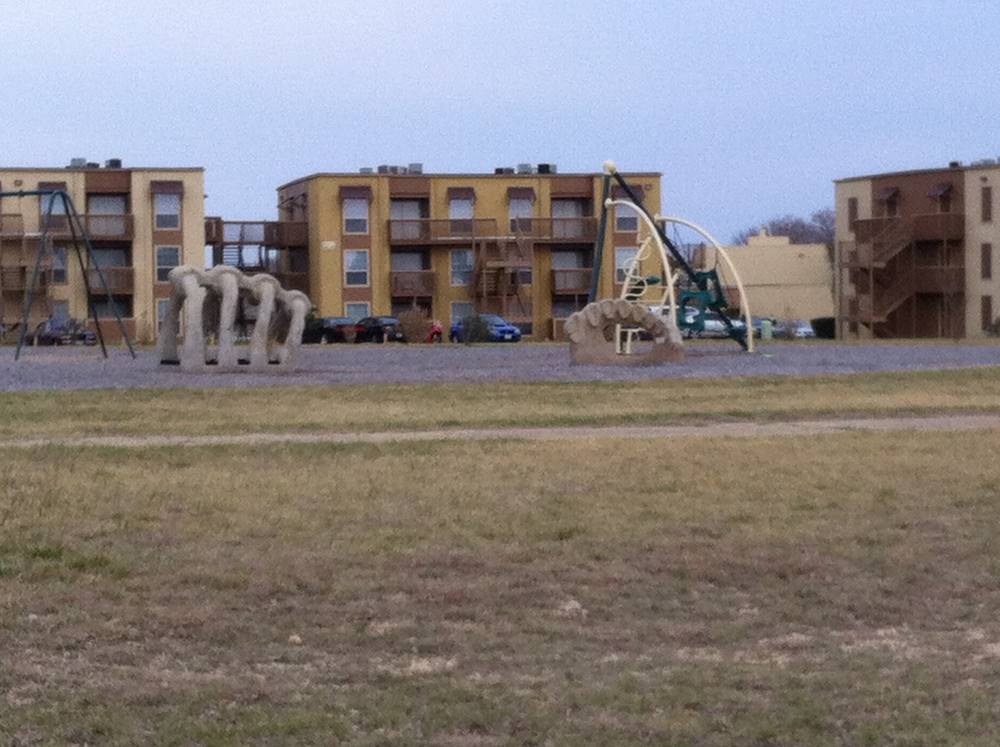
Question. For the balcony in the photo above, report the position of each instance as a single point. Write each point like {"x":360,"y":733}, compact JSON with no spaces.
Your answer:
{"x":427,"y":231}
{"x":412,"y":283}
{"x":286,"y":233}
{"x":575,"y":281}
{"x":98,"y":227}
{"x":569,"y":230}
{"x":939,"y":227}
{"x":11,"y":226}
{"x":18,"y":277}
{"x":119,"y":279}
{"x":944,"y":280}
{"x":293,"y":280}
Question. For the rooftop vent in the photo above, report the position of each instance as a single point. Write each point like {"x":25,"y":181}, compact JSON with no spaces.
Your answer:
{"x":524,"y":168}
{"x":954,"y":164}
{"x":93,"y":165}
{"x":113,"y":163}
{"x":366,"y":170}
{"x":546,"y":168}
{"x":382,"y":169}
{"x":416,"y":168}
{"x":77,"y":163}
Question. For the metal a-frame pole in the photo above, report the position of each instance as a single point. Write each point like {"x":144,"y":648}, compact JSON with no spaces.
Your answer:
{"x":74,"y":218}
{"x":602,"y":226}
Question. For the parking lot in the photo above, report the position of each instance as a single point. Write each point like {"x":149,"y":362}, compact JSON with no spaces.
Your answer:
{"x":83,"y":368}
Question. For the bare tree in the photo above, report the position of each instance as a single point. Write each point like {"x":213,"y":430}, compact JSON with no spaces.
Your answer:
{"x":817,"y":230}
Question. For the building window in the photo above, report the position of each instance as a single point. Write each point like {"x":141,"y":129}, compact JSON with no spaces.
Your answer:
{"x":167,"y":258}
{"x":106,"y":310}
{"x":987,"y":312}
{"x":520,"y":210}
{"x":167,"y":211}
{"x":59,"y":265}
{"x":852,"y":212}
{"x":460,"y":212}
{"x":355,"y":215}
{"x":892,"y":207}
{"x":60,"y":310}
{"x":162,"y":306}
{"x":460,"y":310}
{"x":461,"y":266}
{"x":986,"y":261}
{"x":624,"y":259}
{"x":987,"y":207}
{"x":356,"y":311}
{"x":626,"y":220}
{"x":356,"y":267}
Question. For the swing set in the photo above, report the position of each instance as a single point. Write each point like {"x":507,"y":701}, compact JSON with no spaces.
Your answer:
{"x":82,"y":248}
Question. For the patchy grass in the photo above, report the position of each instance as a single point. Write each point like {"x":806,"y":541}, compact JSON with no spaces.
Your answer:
{"x":842,"y":589}
{"x":382,"y":407}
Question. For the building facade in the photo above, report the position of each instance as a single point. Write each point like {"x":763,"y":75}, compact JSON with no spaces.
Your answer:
{"x":914,"y":253}
{"x":141,"y":223}
{"x":518,"y":244}
{"x":781,"y":279}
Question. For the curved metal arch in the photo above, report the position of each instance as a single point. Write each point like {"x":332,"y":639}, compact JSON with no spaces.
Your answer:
{"x":720,"y":252}
{"x":669,"y":276}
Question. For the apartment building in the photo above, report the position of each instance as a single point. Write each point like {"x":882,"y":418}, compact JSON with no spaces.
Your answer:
{"x":518,"y":242}
{"x":914,"y":252}
{"x":141,"y":223}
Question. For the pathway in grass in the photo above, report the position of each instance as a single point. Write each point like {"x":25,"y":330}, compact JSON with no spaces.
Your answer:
{"x":740,"y":429}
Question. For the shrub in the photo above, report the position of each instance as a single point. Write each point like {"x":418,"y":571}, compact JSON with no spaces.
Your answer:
{"x":474,"y":329}
{"x":825,"y":327}
{"x":415,"y":325}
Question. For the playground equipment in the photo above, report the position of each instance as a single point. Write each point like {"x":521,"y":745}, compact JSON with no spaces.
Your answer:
{"x":683,"y":293}
{"x":211,"y":301}
{"x":57,"y":215}
{"x":595,"y":331}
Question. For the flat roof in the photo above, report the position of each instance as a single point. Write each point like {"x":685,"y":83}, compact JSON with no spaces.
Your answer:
{"x":461,"y":175}
{"x":912,"y":172}
{"x":64,"y":169}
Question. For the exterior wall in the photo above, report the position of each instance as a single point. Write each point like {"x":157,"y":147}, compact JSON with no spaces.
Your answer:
{"x":328,"y":240}
{"x":136,"y":183}
{"x":782,"y":279}
{"x":977,"y":233}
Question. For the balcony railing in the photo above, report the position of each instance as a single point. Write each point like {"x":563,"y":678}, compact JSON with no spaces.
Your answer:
{"x":286,"y":233}
{"x":582,"y":230}
{"x":572,"y":280}
{"x":18,"y":277}
{"x":947,"y":280}
{"x":293,"y":280}
{"x":119,"y":279}
{"x":99,"y":227}
{"x":423,"y":231}
{"x":413,"y":283}
{"x":939,"y":226}
{"x":11,"y":225}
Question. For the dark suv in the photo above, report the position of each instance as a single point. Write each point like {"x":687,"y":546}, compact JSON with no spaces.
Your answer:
{"x":379,"y":329}
{"x":327,"y":329}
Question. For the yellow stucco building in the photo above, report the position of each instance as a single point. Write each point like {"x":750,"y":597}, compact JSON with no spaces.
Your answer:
{"x":519,"y":243}
{"x":781,"y":279}
{"x":141,"y":222}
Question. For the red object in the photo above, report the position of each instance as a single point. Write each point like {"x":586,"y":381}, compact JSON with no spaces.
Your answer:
{"x":436,"y":332}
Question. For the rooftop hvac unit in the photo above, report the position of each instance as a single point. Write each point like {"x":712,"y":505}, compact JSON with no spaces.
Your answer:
{"x":366,"y":170}
{"x":93,"y":165}
{"x":396,"y":170}
{"x":113,"y":163}
{"x":77,"y":163}
{"x":383,"y":169}
{"x":416,"y":168}
{"x":524,"y":168}
{"x":954,"y":164}
{"x":546,"y":168}
{"x":498,"y":170}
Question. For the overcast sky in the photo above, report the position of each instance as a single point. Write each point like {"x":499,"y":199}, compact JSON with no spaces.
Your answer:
{"x":749,"y":109}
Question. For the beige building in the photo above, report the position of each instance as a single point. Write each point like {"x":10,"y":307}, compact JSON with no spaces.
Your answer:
{"x":141,"y":222}
{"x":519,"y":243}
{"x":783,"y":280}
{"x":914,"y":252}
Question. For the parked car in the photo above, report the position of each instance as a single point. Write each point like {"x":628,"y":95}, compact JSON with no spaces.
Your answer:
{"x":794,"y":329}
{"x":500,"y":330}
{"x":61,"y":332}
{"x":715,"y":326}
{"x":378,"y":329}
{"x":328,"y":329}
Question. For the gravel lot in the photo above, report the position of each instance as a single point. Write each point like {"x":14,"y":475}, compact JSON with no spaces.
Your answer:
{"x":83,"y":368}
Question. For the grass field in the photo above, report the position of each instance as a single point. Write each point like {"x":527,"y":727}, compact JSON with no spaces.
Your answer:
{"x":841,"y":589}
{"x":428,"y":406}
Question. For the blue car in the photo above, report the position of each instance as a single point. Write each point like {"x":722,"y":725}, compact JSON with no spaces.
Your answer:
{"x":500,"y":329}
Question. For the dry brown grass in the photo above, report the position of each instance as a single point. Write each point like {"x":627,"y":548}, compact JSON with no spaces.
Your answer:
{"x":836,"y":590}
{"x":382,"y":407}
